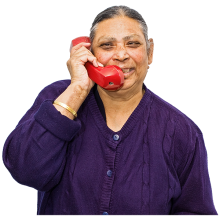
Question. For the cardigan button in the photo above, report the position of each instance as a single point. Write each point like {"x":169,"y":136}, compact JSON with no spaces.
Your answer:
{"x":116,"y":137}
{"x":109,"y":173}
{"x":105,"y":213}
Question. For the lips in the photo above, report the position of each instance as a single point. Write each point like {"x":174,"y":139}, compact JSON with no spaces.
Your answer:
{"x":127,"y":70}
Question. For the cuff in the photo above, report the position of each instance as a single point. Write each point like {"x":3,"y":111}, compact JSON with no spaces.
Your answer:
{"x":56,"y":123}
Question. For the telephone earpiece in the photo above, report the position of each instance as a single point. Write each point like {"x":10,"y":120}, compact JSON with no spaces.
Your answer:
{"x":109,"y":77}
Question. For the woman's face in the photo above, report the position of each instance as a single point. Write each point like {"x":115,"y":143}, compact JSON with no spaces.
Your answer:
{"x":120,"y":41}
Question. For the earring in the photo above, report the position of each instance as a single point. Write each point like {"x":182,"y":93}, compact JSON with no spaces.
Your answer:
{"x":148,"y":67}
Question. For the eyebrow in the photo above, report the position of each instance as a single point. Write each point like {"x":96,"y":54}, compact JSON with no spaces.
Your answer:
{"x":114,"y":39}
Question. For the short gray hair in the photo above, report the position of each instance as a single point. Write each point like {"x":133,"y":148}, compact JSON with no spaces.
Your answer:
{"x":116,"y":11}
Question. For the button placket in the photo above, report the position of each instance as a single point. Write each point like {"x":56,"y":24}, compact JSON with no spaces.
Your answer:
{"x":112,"y":144}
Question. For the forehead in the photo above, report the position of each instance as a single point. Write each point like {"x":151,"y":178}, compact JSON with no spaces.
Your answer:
{"x":118,"y":27}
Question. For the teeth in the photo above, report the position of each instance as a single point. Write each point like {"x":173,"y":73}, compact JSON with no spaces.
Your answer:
{"x":126,"y":70}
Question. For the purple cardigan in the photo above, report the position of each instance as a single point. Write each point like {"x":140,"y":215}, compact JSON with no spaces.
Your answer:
{"x":156,"y":164}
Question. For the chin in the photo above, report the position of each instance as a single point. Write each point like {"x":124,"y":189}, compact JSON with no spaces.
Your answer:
{"x":127,"y":85}
{"x":132,"y":84}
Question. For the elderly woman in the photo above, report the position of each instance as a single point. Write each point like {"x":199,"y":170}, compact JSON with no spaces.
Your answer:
{"x":127,"y":151}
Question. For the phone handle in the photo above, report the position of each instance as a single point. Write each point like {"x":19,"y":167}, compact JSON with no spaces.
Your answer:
{"x":109,"y":77}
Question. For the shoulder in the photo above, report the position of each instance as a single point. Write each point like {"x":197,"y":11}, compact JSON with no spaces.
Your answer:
{"x":179,"y":133}
{"x":54,"y":89}
{"x":50,"y":92}
{"x":162,"y":107}
{"x":174,"y":125}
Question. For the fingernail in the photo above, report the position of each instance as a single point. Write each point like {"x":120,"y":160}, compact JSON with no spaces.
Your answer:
{"x":100,"y":64}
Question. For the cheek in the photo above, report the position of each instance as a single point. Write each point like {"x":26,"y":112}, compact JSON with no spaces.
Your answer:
{"x":103,"y":57}
{"x":140,"y":59}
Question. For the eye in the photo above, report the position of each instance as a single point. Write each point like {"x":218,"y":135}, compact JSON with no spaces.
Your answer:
{"x":106,"y":46}
{"x":133,"y":44}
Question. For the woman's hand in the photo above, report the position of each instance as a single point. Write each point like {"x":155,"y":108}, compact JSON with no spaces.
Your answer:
{"x":81,"y":84}
{"x":79,"y":55}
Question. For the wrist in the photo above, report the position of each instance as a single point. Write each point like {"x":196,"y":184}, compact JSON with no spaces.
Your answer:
{"x":81,"y":85}
{"x":73,"y":96}
{"x":79,"y":90}
{"x":64,"y":111}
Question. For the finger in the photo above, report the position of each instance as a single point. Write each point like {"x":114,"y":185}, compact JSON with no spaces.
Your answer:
{"x":81,"y":53}
{"x":93,"y":60}
{"x":74,"y":45}
{"x":82,"y":50}
{"x":90,"y":58}
{"x":81,"y":56}
{"x":78,"y":46}
{"x":100,"y":64}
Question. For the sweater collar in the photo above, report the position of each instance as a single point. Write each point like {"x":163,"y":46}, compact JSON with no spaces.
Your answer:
{"x":96,"y":108}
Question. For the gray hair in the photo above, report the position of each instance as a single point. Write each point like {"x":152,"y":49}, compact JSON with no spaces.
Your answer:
{"x":115,"y":11}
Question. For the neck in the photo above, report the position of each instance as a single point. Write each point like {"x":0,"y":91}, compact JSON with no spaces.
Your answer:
{"x":119,"y":97}
{"x":119,"y":105}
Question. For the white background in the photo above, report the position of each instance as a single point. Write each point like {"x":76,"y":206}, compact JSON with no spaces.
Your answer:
{"x":34,"y":47}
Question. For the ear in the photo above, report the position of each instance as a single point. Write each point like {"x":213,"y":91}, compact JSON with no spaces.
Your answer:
{"x":150,"y":50}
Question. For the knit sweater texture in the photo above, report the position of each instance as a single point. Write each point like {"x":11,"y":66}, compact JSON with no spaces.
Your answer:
{"x":155,"y":165}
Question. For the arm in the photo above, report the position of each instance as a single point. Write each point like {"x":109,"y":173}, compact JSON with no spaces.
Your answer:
{"x":192,"y":169}
{"x":34,"y":153}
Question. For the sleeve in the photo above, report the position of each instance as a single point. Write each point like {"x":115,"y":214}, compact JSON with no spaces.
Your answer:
{"x":192,"y":170}
{"x":35,"y":152}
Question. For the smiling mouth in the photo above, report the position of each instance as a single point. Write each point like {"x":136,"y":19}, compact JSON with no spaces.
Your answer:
{"x":127,"y":70}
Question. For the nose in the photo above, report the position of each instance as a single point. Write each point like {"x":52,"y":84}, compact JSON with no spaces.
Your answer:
{"x":120,"y":53}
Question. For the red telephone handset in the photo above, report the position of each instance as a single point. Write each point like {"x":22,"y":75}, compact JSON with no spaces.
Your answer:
{"x":109,"y":77}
